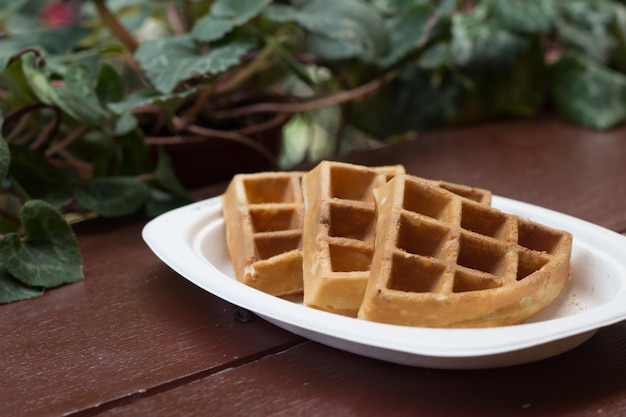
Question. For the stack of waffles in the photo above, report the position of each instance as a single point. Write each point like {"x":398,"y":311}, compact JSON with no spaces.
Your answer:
{"x":381,"y":245}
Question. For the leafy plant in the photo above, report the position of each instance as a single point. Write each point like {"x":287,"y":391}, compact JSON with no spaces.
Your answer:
{"x":91,"y":92}
{"x":491,"y":59}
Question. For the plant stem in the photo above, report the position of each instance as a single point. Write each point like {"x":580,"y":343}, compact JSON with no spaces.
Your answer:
{"x":257,"y":127}
{"x":249,"y":70}
{"x":299,"y":107}
{"x":15,"y":134}
{"x":75,"y":134}
{"x":180,"y":123}
{"x":174,"y":18}
{"x":111,"y":21}
{"x":45,"y":135}
{"x":39,"y":59}
{"x":84,"y":169}
{"x":146,"y":177}
{"x":187,"y":14}
{"x":48,"y":132}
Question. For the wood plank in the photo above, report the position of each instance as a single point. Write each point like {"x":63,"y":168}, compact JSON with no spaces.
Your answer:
{"x":130,"y":326}
{"x":312,"y":379}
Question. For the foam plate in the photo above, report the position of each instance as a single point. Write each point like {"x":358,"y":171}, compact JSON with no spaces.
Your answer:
{"x":191,"y":240}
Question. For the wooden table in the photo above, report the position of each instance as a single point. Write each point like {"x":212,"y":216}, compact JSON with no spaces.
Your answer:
{"x":136,"y":339}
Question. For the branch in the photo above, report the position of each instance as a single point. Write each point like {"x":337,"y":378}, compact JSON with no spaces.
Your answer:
{"x":176,"y":22}
{"x":111,"y":21}
{"x":49,"y":130}
{"x":235,"y":137}
{"x":249,"y":70}
{"x":75,"y":134}
{"x":83,"y":169}
{"x":334,"y":99}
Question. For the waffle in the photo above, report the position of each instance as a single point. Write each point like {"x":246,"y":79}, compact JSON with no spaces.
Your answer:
{"x":338,"y":235}
{"x":442,"y":260}
{"x":263,"y":214}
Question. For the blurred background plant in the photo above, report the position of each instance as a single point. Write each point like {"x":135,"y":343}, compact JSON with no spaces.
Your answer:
{"x":118,"y":107}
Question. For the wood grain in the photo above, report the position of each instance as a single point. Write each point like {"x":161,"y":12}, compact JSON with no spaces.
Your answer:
{"x":311,"y":379}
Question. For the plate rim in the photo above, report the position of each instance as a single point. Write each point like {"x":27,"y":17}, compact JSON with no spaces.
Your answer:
{"x":182,"y":226}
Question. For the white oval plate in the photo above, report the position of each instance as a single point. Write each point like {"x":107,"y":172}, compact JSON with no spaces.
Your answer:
{"x":191,"y":240}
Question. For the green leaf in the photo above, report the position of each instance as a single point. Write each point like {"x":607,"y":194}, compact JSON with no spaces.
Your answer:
{"x":17,"y":87}
{"x":5,"y":153}
{"x":5,"y":60}
{"x":55,"y":41}
{"x":436,"y":56}
{"x":113,"y":196}
{"x":226,"y":15}
{"x":588,"y":93}
{"x":41,"y":180}
{"x":294,"y":65}
{"x":412,"y":30}
{"x":416,"y":100}
{"x":109,"y":85}
{"x":618,"y":29}
{"x":166,"y":177}
{"x":12,"y":290}
{"x":394,"y":7}
{"x":527,"y":16}
{"x":37,"y":79}
{"x":145,"y":97}
{"x":84,"y":94}
{"x":481,"y":48}
{"x":161,"y":202}
{"x":338,"y":29}
{"x":48,"y":255}
{"x":78,"y":96}
{"x":126,"y":155}
{"x":171,"y":60}
{"x":122,"y":124}
{"x":517,"y":90}
{"x":51,"y":41}
{"x":586,"y":26}
{"x":110,"y":88}
{"x":336,"y":49}
{"x":9,"y":7}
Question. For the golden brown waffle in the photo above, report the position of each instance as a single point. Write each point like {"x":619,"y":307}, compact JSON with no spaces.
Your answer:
{"x":263,"y":214}
{"x":338,"y":236}
{"x":442,"y":260}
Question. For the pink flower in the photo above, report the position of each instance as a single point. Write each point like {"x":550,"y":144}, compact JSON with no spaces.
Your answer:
{"x":58,"y":14}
